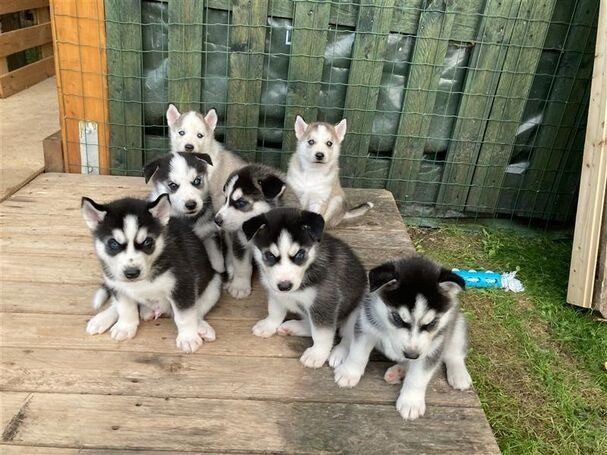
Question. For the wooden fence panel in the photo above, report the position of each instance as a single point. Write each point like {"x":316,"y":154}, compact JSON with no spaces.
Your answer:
{"x":372,"y":29}
{"x":514,"y":85}
{"x":123,"y":29}
{"x":186,"y":33}
{"x":247,"y":42}
{"x":486,"y":63}
{"x":431,"y":43}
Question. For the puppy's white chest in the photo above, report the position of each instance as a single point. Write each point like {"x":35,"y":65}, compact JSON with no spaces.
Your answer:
{"x":153,"y":294}
{"x":311,"y":186}
{"x":298,"y":301}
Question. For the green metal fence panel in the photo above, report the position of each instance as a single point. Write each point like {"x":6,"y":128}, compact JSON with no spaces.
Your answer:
{"x":460,"y":107}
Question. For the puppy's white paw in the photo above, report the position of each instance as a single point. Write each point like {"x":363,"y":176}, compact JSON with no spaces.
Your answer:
{"x":264,"y":328}
{"x":338,"y":355}
{"x":394,"y":374}
{"x":239,"y":289}
{"x":100,"y":323}
{"x":123,"y":331}
{"x":459,"y":378}
{"x":206,"y":331}
{"x":189,"y":341}
{"x":146,"y":313}
{"x":347,"y":376}
{"x":294,"y":328}
{"x":411,"y":405}
{"x":313,"y":358}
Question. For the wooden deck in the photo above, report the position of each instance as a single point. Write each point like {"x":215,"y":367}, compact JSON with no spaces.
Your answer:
{"x":63,"y":391}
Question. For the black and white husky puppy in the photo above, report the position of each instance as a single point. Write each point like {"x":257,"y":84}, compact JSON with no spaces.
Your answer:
{"x":155,"y":261}
{"x":412,"y":316}
{"x":249,"y":191}
{"x":306,"y":272}
{"x":182,"y":175}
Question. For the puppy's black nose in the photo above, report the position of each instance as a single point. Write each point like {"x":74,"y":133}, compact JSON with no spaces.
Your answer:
{"x":131,"y":273}
{"x":284,"y":286}
{"x":320,"y":156}
{"x":190,"y":205}
{"x":218,"y":220}
{"x":188,"y":147}
{"x":411,"y":355}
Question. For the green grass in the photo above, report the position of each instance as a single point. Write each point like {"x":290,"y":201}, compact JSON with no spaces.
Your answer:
{"x":538,"y":364}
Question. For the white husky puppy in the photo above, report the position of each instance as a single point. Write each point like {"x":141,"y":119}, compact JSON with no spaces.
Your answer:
{"x":314,"y":171}
{"x":194,"y":132}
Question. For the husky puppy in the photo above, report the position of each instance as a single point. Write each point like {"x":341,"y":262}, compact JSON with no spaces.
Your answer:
{"x":314,"y":173}
{"x":182,"y":175}
{"x":316,"y":276}
{"x":158,"y":262}
{"x":412,"y":316}
{"x":249,"y":191}
{"x":194,"y":132}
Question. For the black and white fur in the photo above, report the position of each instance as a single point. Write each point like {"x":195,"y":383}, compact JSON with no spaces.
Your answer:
{"x":412,"y":316}
{"x":155,"y":261}
{"x":249,"y":191}
{"x":183,"y":176}
{"x":306,"y":272}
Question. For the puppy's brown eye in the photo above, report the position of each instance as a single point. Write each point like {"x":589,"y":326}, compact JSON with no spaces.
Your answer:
{"x":311,"y":142}
{"x":329,"y":143}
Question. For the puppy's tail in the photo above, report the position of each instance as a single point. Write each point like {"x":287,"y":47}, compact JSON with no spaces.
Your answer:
{"x":357,"y":211}
{"x":101,"y":296}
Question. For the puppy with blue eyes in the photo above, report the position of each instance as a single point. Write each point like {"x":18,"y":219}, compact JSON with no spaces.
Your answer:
{"x":249,"y":191}
{"x":314,"y":172}
{"x":412,"y":316}
{"x":307,"y":272}
{"x":155,"y":261}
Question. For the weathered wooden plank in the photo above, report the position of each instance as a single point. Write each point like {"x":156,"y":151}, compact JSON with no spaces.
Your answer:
{"x":13,"y":6}
{"x":26,"y":76}
{"x":522,"y":58}
{"x":185,"y":53}
{"x":245,"y":426}
{"x":201,"y":376}
{"x":431,"y":44}
{"x":372,"y":29}
{"x":12,"y":410}
{"x":599,"y":301}
{"x":25,"y":38}
{"x":552,"y":143}
{"x":123,"y":30}
{"x":43,"y":16}
{"x":310,"y":25}
{"x":247,"y":43}
{"x":486,"y":62}
{"x":593,"y":185}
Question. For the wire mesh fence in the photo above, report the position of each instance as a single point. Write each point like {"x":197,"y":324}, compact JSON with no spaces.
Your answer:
{"x":462,"y":108}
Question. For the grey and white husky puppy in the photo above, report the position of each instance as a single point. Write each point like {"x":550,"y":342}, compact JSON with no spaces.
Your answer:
{"x":249,"y":191}
{"x":412,"y":316}
{"x":306,"y":272}
{"x":194,"y":132}
{"x":153,"y":261}
{"x":314,"y":172}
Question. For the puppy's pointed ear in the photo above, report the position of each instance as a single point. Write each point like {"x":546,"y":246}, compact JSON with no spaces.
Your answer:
{"x":253,"y":225}
{"x":172,"y":115}
{"x":313,"y":224}
{"x":150,"y":169}
{"x":382,"y":275}
{"x":450,"y":282}
{"x":211,"y":119}
{"x":92,"y":212}
{"x":205,"y":157}
{"x":340,"y":130}
{"x":300,"y":127}
{"x":161,"y":209}
{"x":272,"y":186}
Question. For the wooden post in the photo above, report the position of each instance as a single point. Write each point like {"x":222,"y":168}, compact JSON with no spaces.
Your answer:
{"x":591,"y":201}
{"x":81,"y":68}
